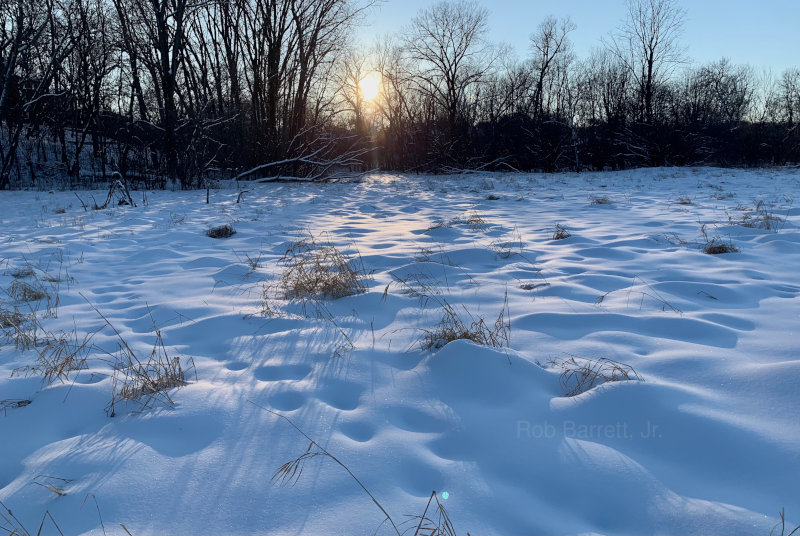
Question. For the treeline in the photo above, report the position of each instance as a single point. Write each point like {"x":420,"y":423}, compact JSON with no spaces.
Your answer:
{"x":191,"y":90}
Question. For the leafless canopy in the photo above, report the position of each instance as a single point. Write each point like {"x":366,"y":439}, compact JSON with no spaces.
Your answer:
{"x":447,"y":41}
{"x":648,"y":42}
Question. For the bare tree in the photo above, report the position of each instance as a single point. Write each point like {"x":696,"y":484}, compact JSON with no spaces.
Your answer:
{"x":447,"y":41}
{"x":648,"y":44}
{"x":354,"y":70}
{"x":34,"y":41}
{"x":551,"y":52}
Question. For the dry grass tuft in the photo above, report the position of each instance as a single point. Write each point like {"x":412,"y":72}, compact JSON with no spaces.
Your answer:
{"x":22,"y":272}
{"x":145,"y":381}
{"x":438,"y":224}
{"x":11,"y":319}
{"x":561,"y":232}
{"x":715,"y":246}
{"x":601,"y":201}
{"x":312,"y":273}
{"x":456,"y":323}
{"x":580,"y":374}
{"x":62,"y":354}
{"x":314,"y":270}
{"x":221,"y":231}
{"x":13,"y":403}
{"x":475,"y":220}
{"x":22,"y":329}
{"x":761,"y":218}
{"x":25,"y":292}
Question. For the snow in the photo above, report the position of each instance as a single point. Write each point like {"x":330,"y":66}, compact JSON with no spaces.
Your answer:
{"x":708,"y":442}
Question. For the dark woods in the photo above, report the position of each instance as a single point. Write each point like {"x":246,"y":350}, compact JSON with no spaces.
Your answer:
{"x":187,"y":91}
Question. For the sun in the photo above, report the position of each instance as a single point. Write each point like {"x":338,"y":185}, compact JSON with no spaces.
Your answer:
{"x":369,"y":86}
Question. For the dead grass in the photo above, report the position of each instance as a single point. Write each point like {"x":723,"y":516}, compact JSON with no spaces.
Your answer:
{"x":581,"y":374}
{"x":12,"y":526}
{"x":782,"y":525}
{"x":25,"y":292}
{"x":600,"y":201}
{"x":221,"y":231}
{"x":640,"y":290}
{"x":254,"y":262}
{"x":439,"y":224}
{"x":683,"y":200}
{"x":144,"y":381}
{"x":455,"y":323}
{"x":561,"y":232}
{"x":21,"y":328}
{"x":63,"y":354}
{"x":434,"y":520}
{"x":10,"y":319}
{"x":463,"y":325}
{"x":475,"y":220}
{"x":22,"y":272}
{"x":314,"y":270}
{"x":716,"y":245}
{"x":761,"y":217}
{"x":13,"y":403}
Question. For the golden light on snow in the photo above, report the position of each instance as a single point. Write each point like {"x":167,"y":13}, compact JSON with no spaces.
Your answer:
{"x":369,"y":86}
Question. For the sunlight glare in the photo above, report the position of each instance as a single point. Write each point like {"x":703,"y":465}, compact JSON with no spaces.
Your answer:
{"x":369,"y":86}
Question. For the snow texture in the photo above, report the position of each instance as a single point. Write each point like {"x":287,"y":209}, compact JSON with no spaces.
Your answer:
{"x":707,"y":442}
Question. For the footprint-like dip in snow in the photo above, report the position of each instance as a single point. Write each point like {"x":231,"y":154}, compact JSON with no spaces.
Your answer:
{"x":414,"y":420}
{"x":275,"y":373}
{"x":360,"y":431}
{"x":287,"y":400}
{"x":173,"y":435}
{"x":340,"y":394}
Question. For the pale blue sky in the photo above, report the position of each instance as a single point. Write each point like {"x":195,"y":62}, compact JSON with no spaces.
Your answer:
{"x":764,"y":34}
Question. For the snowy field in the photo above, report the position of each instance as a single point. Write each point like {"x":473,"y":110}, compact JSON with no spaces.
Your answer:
{"x":698,"y":434}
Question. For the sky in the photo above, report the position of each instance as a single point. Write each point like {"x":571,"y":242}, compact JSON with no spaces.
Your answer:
{"x":764,"y":34}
